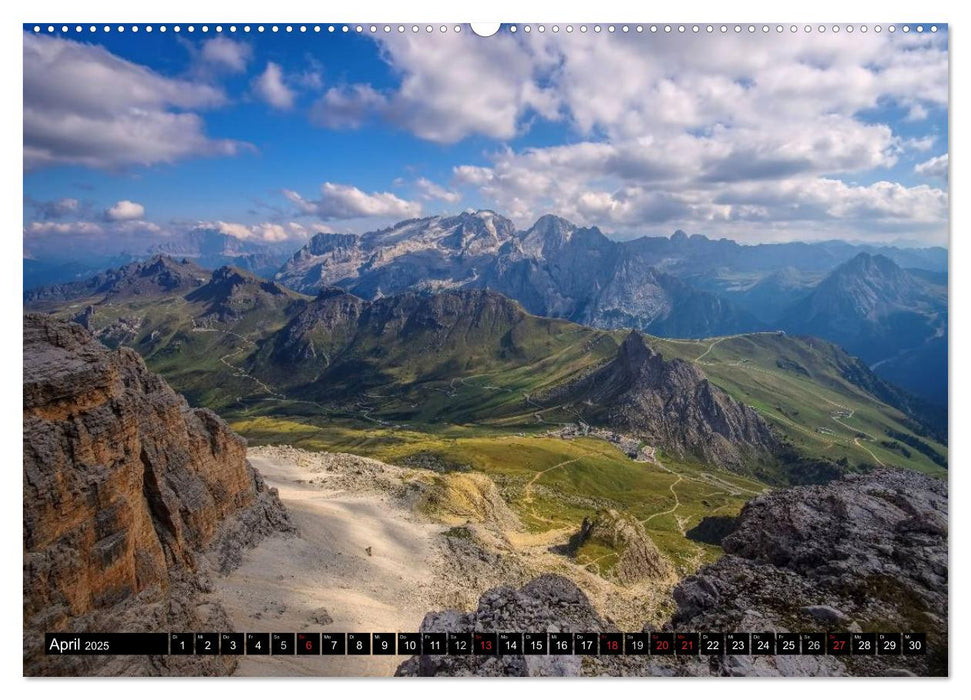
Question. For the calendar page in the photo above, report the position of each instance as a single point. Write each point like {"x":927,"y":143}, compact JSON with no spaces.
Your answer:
{"x":374,"y":349}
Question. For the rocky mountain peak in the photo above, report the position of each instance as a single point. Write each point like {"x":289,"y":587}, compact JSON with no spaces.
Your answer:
{"x":323,"y":243}
{"x":671,"y":404}
{"x":227,"y":280}
{"x":635,"y":352}
{"x":548,"y":233}
{"x":231,"y":291}
{"x":159,"y":274}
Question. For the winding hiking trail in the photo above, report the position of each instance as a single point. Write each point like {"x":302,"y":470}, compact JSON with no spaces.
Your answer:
{"x":710,"y":346}
{"x":239,"y":371}
{"x":528,"y":493}
{"x":669,"y":511}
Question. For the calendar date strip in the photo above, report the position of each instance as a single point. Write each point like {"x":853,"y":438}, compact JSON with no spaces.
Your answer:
{"x":488,"y":643}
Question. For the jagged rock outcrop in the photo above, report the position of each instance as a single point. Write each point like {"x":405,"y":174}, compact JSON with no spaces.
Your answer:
{"x":872,"y":548}
{"x":864,"y":553}
{"x":671,"y":404}
{"x":131,"y":498}
{"x":549,"y":603}
{"x":637,"y":556}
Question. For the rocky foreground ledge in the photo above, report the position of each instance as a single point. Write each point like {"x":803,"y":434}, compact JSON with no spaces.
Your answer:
{"x":865,"y":553}
{"x":131,"y":499}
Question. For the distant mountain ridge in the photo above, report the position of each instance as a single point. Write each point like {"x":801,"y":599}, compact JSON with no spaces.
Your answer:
{"x":553,"y":269}
{"x":678,"y":287}
{"x":157,"y":275}
{"x":883,"y":314}
{"x":886,"y":305}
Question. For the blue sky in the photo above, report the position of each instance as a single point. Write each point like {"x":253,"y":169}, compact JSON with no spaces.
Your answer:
{"x":135,"y":138}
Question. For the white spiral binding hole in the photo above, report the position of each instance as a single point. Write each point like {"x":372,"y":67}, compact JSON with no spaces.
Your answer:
{"x":512,"y":28}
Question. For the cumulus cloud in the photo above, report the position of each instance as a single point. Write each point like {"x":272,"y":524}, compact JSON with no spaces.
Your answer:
{"x":348,"y":202}
{"x":85,"y":106}
{"x":450,"y":89}
{"x":226,"y":54}
{"x":459,"y":85}
{"x":935,"y":167}
{"x":270,"y":87}
{"x":686,"y":125}
{"x":124,"y":210}
{"x":347,"y":106}
{"x":266,"y":232}
{"x":431,"y":191}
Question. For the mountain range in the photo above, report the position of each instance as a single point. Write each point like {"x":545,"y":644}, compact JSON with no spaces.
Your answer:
{"x":678,"y":287}
{"x":758,"y":403}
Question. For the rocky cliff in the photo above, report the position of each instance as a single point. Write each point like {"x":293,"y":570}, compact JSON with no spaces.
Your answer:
{"x":671,"y":404}
{"x":130,"y":498}
{"x":864,"y":553}
{"x":638,"y":558}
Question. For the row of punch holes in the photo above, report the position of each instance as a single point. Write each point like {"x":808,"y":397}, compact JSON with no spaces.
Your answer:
{"x":514,"y":28}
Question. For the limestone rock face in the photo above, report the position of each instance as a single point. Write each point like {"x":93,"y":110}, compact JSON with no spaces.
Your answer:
{"x":866,"y":552}
{"x":549,"y":603}
{"x":125,"y":486}
{"x":670,"y":403}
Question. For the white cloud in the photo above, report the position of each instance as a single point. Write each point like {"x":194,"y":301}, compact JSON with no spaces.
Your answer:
{"x":85,"y":106}
{"x":68,"y":229}
{"x":42,"y":228}
{"x":124,"y":210}
{"x":339,"y":202}
{"x":266,"y":232}
{"x":271,"y":88}
{"x":226,"y":54}
{"x":432,"y":191}
{"x":472,"y":174}
{"x":450,"y":89}
{"x":677,"y":130}
{"x":346,"y":107}
{"x":935,"y":167}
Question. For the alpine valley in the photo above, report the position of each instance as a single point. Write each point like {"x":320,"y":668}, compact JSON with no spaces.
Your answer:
{"x":576,"y":420}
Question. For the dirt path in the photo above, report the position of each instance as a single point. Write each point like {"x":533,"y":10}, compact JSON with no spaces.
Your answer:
{"x":287,"y":582}
{"x":837,"y":419}
{"x":710,"y":346}
{"x":239,"y":371}
{"x":856,"y":441}
{"x":528,"y":494}
{"x":677,"y":503}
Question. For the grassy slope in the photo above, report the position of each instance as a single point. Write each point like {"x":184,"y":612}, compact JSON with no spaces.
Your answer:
{"x":791,"y":382}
